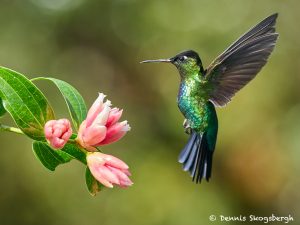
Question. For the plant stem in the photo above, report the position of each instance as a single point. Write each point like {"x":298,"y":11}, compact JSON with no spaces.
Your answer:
{"x":72,"y":141}
{"x":10,"y":129}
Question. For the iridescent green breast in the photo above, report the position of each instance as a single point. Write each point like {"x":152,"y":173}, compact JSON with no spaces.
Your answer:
{"x":192,"y":102}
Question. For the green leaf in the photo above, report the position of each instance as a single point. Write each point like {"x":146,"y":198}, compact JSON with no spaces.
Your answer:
{"x":51,"y":158}
{"x":75,"y":151}
{"x":74,"y":100}
{"x":2,"y":110}
{"x":64,"y":155}
{"x":92,"y":184}
{"x":25,"y":103}
{"x":48,"y":157}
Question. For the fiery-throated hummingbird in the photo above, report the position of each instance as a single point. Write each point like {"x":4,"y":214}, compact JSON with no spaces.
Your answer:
{"x":201,"y":90}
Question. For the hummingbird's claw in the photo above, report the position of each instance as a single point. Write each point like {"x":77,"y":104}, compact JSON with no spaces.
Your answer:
{"x":187,"y":127}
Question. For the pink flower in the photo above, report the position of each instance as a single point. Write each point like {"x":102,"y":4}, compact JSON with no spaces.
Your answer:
{"x":101,"y":126}
{"x":108,"y":170}
{"x":58,"y":132}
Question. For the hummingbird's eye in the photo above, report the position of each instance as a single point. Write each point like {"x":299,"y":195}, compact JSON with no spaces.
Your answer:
{"x":182,"y":58}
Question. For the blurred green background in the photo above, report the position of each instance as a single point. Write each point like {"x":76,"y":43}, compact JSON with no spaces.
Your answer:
{"x":96,"y":45}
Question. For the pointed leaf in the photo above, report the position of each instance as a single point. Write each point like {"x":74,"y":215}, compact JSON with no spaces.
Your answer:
{"x":25,"y":103}
{"x":2,"y":110}
{"x":74,"y":100}
{"x":48,"y":157}
{"x":92,"y":184}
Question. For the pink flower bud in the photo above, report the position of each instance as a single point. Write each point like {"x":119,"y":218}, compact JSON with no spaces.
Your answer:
{"x":58,"y":132}
{"x":101,"y":126}
{"x":108,"y":170}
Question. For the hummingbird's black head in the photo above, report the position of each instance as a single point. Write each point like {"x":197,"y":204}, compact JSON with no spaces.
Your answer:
{"x":187,"y":63}
{"x":184,"y":56}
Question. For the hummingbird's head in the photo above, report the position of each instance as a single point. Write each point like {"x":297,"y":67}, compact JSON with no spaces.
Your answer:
{"x":187,"y":63}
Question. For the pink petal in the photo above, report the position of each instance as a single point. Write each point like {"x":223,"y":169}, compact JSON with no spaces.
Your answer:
{"x":98,"y":176}
{"x":94,"y":135}
{"x":96,"y":158}
{"x":95,"y":109}
{"x":81,"y":130}
{"x":65,"y":122}
{"x":121,"y":175}
{"x":123,"y":178}
{"x":66,"y":136}
{"x":126,"y":172}
{"x":112,"y":139}
{"x":108,"y":175}
{"x":115,"y":132}
{"x":126,"y":183}
{"x":48,"y":129}
{"x":101,"y":117}
{"x":48,"y":132}
{"x":107,"y":103}
{"x":114,"y":115}
{"x":58,"y":130}
{"x":115,"y":162}
{"x":57,"y":143}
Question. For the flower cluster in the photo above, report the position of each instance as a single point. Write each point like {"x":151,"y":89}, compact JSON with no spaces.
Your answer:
{"x":101,"y":127}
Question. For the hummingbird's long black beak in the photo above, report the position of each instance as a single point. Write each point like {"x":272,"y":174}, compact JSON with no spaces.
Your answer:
{"x":157,"y":61}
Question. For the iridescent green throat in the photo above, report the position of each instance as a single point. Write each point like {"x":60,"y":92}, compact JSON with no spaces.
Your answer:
{"x":189,"y":69}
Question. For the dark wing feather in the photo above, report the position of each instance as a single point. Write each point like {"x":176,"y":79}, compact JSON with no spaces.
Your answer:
{"x":240,"y":63}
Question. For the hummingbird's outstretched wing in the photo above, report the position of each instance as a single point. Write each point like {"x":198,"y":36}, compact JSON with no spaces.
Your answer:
{"x":241,"y":61}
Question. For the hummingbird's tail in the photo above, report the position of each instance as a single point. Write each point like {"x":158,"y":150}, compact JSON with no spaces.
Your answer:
{"x":196,"y":157}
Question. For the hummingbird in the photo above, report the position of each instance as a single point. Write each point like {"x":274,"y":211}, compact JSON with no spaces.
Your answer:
{"x":202,"y":90}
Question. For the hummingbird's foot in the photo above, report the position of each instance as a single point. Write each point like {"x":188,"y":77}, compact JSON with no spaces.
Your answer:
{"x":187,"y":127}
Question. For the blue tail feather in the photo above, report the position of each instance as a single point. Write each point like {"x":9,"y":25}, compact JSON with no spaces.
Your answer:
{"x":196,"y":157}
